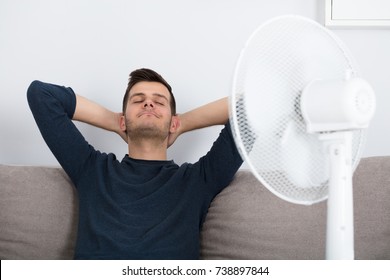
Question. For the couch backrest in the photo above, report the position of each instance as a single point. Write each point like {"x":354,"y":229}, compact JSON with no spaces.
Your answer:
{"x":247,"y":221}
{"x":38,"y":213}
{"x":38,"y":217}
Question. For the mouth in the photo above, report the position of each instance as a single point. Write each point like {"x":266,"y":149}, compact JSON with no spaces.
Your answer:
{"x":148,"y":114}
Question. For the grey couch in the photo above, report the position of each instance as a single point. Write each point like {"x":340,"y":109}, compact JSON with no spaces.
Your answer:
{"x":38,"y":217}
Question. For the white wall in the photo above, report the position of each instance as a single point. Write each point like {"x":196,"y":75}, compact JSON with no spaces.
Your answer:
{"x":92,"y":46}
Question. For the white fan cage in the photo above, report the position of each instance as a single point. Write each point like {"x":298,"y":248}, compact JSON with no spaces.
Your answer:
{"x":280,"y":58}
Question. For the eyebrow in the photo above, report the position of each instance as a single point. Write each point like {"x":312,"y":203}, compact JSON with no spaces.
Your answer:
{"x":154,"y":94}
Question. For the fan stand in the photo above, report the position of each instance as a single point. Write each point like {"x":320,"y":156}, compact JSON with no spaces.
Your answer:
{"x":339,"y":232}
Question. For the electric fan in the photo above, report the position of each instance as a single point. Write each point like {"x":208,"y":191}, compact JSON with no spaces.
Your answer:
{"x":298,"y":111}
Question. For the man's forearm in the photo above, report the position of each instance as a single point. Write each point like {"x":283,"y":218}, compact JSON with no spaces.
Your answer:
{"x":214,"y":113}
{"x":94,"y":114}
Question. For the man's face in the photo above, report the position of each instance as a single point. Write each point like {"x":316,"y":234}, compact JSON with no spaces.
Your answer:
{"x":148,"y":113}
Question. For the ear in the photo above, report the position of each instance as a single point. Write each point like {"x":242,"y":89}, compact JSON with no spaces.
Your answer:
{"x":122,"y":123}
{"x":175,"y":124}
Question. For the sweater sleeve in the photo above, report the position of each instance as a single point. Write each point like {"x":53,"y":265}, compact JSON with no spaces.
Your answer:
{"x":221,"y":163}
{"x":53,"y":107}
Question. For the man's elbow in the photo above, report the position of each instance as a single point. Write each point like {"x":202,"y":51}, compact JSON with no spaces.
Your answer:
{"x":33,"y":91}
{"x":34,"y":87}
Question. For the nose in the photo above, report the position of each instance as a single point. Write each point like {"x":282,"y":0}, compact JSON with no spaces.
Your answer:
{"x":148,"y":103}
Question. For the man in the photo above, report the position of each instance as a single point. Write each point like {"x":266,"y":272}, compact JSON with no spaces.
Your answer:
{"x":144,"y":206}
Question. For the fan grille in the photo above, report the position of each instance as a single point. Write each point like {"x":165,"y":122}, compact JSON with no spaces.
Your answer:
{"x":278,"y":61}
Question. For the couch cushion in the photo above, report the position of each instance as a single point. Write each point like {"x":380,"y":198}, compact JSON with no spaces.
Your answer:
{"x":372,"y":208}
{"x":246,"y":221}
{"x":38,"y":217}
{"x":38,"y":213}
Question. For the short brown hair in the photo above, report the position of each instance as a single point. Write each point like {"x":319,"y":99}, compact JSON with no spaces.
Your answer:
{"x":147,"y":75}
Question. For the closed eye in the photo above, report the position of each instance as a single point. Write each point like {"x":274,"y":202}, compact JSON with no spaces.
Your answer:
{"x":158,"y":99}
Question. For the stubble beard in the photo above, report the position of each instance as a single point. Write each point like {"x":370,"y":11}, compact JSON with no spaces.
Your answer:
{"x":147,"y":131}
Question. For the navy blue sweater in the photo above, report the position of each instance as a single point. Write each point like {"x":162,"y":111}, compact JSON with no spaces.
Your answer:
{"x":131,"y":209}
